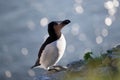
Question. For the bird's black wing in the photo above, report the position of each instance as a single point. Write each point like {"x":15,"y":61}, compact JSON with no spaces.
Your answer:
{"x":48,"y":41}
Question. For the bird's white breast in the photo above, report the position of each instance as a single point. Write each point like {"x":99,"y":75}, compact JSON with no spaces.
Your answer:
{"x":53,"y":52}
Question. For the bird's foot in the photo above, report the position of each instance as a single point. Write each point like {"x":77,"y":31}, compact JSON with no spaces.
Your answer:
{"x":57,"y":68}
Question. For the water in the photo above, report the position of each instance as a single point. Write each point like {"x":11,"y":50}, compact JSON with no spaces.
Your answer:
{"x":22,"y":31}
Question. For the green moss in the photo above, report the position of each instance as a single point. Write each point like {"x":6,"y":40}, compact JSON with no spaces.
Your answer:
{"x":88,"y":56}
{"x":102,"y":67}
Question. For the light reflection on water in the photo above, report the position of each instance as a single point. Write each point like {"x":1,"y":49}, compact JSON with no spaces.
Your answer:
{"x":94,"y":27}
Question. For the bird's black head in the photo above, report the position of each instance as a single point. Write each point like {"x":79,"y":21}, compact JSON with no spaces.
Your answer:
{"x":54,"y":28}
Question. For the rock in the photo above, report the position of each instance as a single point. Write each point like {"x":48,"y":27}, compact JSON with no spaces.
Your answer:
{"x":75,"y":66}
{"x":61,"y":71}
{"x":49,"y":75}
{"x":43,"y":77}
{"x":112,"y":58}
{"x":57,"y":68}
{"x":77,"y":70}
{"x":118,"y":46}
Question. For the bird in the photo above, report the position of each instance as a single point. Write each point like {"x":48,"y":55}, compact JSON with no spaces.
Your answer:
{"x":54,"y":46}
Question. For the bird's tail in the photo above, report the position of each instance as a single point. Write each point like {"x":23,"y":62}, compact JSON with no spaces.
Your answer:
{"x":40,"y":66}
{"x":36,"y":64}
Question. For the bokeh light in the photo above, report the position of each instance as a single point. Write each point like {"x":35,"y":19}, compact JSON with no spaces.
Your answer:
{"x":31,"y":73}
{"x":116,"y":3}
{"x":31,"y":25}
{"x":105,"y":32}
{"x":44,"y":22}
{"x":79,"y":9}
{"x":112,"y":12}
{"x":109,"y":5}
{"x":99,"y":39}
{"x":108,"y":21}
{"x":24,"y":51}
{"x":75,"y":29}
{"x":8,"y":74}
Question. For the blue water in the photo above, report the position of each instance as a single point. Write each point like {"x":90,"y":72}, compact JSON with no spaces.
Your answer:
{"x":21,"y":33}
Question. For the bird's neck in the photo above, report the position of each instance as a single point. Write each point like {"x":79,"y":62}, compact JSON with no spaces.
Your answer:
{"x":56,"y":36}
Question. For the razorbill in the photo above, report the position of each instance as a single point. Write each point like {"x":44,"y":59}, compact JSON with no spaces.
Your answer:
{"x":53,"y":48}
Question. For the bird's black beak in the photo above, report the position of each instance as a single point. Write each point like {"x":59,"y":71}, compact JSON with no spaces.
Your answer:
{"x":65,"y":22}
